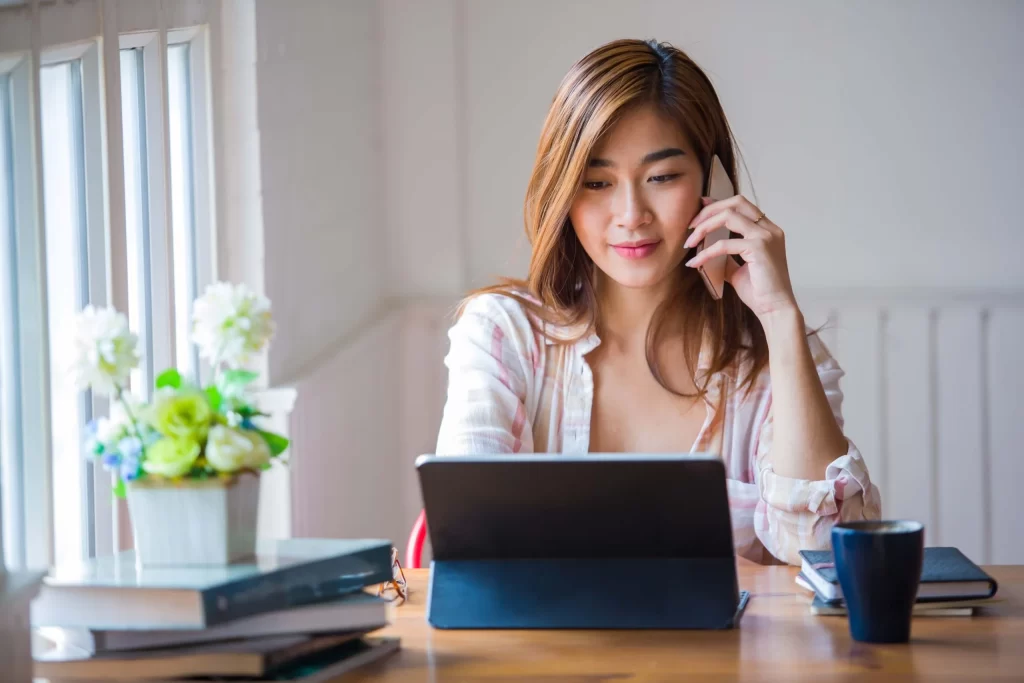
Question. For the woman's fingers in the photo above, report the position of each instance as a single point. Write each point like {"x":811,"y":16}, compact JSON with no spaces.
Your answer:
{"x":730,"y":218}
{"x":722,"y":247}
{"x":741,"y":205}
{"x":738,"y":202}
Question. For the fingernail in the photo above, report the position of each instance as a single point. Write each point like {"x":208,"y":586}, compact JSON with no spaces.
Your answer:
{"x":706,"y":200}
{"x":690,"y":262}
{"x":686,"y":244}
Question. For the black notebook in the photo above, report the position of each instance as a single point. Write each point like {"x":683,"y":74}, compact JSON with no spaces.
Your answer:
{"x":947,"y":574}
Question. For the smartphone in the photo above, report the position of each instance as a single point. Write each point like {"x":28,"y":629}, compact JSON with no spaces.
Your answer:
{"x":718,"y":187}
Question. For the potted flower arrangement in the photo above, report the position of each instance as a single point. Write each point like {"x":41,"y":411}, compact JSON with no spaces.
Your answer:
{"x":189,"y":459}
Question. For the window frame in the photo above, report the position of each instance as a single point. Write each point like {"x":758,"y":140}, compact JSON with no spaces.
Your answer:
{"x":43,"y":34}
{"x":10,"y":421}
{"x":28,"y":531}
{"x":203,"y":235}
{"x":143,"y":247}
{"x":89,"y":144}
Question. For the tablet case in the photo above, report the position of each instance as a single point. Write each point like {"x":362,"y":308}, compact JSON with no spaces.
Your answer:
{"x":567,"y":542}
{"x":584,"y":594}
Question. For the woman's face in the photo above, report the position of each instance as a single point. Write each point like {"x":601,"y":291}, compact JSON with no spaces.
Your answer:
{"x":641,"y":189}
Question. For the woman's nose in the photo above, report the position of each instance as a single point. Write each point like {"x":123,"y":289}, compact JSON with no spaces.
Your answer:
{"x":630,"y":209}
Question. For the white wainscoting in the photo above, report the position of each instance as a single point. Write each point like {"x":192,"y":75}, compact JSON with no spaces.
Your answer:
{"x":274,"y":518}
{"x":932,"y":398}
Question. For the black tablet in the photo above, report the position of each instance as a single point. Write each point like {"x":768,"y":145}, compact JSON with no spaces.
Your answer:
{"x":514,"y":535}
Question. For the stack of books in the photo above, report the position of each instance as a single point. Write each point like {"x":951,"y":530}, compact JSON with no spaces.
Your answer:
{"x":300,"y":610}
{"x":951,"y":584}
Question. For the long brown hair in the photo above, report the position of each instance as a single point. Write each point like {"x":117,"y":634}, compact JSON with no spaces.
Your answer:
{"x":595,"y":93}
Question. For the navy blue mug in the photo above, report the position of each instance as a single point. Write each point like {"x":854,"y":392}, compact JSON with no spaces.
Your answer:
{"x":879,"y":568}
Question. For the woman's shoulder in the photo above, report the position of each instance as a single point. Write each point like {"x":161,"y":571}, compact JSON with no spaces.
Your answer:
{"x":507,"y":311}
{"x":500,"y":325}
{"x":508,"y":318}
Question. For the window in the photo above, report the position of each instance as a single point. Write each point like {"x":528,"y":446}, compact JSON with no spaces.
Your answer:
{"x":182,"y":202}
{"x":9,"y":420}
{"x":133,"y":119}
{"x":67,"y":291}
{"x":61,"y":227}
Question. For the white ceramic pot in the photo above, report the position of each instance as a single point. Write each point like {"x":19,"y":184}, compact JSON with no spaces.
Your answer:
{"x":194,"y":522}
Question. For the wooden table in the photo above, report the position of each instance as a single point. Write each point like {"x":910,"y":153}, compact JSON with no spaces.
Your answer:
{"x":778,"y":640}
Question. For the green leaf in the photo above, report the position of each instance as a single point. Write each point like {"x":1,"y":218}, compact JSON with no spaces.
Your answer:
{"x":169,"y":378}
{"x":119,"y":490}
{"x":239,"y":378}
{"x":213,"y":395}
{"x":277,"y":443}
{"x":249,"y":412}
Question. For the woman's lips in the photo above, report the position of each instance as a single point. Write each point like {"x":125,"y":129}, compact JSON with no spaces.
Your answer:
{"x":638,"y":250}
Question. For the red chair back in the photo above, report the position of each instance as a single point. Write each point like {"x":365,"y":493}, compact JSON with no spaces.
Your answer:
{"x":414,"y":549}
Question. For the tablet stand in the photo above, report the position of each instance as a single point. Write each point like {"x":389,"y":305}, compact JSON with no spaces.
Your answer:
{"x":614,"y":593}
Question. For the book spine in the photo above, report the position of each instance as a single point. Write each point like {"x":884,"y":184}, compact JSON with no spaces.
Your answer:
{"x":301,"y":584}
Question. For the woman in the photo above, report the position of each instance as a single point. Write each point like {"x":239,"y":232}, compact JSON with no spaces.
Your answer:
{"x":613,"y":344}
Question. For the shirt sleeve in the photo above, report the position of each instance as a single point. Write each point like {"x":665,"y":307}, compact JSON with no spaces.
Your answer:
{"x":485,"y":411}
{"x":798,"y":514}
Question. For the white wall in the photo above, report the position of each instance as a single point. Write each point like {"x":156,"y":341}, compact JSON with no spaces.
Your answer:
{"x":317,"y":85}
{"x":422,"y":119}
{"x":237,"y":134}
{"x":883,"y":137}
{"x":345,"y":476}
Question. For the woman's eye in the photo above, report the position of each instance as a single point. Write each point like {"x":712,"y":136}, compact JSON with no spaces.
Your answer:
{"x":595,"y":184}
{"x":664,"y":178}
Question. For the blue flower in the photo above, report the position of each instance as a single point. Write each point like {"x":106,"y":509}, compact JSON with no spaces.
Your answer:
{"x":130,"y":449}
{"x":111,"y":459}
{"x":130,"y":468}
{"x":90,"y":444}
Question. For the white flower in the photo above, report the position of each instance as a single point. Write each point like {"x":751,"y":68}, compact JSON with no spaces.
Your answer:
{"x":108,"y":431}
{"x":120,"y":420}
{"x":230,"y":323}
{"x":106,"y":351}
{"x":105,"y":433}
{"x":230,"y":450}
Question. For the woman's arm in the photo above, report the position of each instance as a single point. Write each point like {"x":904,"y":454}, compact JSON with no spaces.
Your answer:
{"x":807,"y":435}
{"x":797,"y":512}
{"x":808,"y":475}
{"x":487,"y":382}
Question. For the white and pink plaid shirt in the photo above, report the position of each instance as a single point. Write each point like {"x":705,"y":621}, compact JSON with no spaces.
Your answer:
{"x":512,"y":390}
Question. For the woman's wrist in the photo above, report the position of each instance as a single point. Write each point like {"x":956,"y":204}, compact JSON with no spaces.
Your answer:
{"x":782,"y":323}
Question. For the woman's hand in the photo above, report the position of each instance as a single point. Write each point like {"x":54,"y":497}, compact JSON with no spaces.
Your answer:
{"x":762,"y":283}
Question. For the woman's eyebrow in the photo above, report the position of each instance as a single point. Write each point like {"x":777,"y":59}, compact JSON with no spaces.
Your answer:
{"x":666,"y":153}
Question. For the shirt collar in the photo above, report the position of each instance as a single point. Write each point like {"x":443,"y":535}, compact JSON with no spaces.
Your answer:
{"x":589,"y":342}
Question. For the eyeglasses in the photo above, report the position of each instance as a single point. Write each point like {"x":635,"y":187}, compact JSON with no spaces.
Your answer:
{"x":397,"y":589}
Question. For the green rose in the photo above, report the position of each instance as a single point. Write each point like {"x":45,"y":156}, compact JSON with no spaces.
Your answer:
{"x":171,"y":457}
{"x":181,"y":414}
